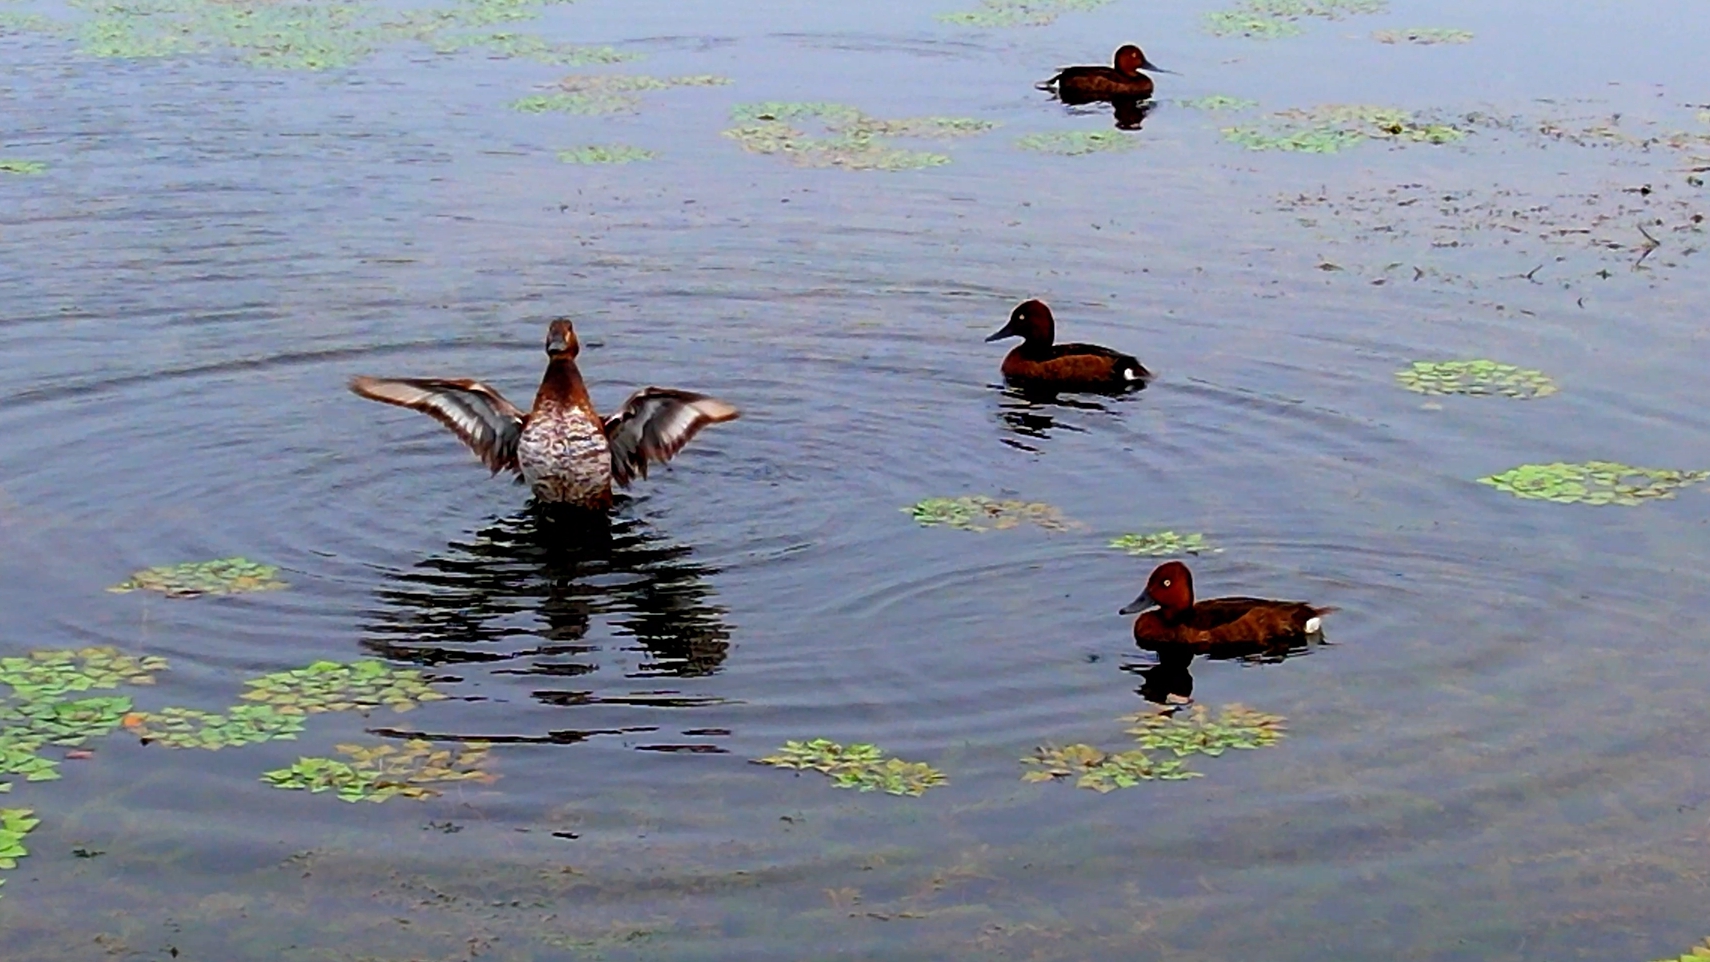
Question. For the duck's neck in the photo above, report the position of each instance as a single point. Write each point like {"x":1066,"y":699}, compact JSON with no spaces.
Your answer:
{"x":562,"y":386}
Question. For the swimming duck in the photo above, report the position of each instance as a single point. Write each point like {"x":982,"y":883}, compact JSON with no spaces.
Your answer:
{"x":1173,"y":624}
{"x":561,"y":446}
{"x":1041,"y":362}
{"x":1124,"y":80}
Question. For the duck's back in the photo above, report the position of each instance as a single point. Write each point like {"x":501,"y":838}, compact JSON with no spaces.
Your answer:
{"x":1074,"y":364}
{"x":1102,"y":82}
{"x":1226,"y":622}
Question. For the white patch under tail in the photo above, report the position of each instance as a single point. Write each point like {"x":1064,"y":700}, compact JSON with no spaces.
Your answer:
{"x":1314,"y":625}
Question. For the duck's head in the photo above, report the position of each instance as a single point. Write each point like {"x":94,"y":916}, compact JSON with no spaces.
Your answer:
{"x":561,"y":339}
{"x":1130,"y":60}
{"x":1031,"y":320}
{"x":1169,"y":588}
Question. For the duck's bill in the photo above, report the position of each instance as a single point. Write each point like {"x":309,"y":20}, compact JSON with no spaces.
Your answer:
{"x":1139,"y":604}
{"x":1000,"y":335}
{"x":1149,"y":65}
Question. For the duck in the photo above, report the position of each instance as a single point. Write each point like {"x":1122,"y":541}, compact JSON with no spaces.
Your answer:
{"x":1122,"y":80}
{"x":1040,"y":362}
{"x":561,"y":447}
{"x":1177,"y":627}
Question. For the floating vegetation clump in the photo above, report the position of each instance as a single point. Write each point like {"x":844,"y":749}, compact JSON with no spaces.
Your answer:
{"x":977,"y":512}
{"x":859,"y":766}
{"x":1100,"y":770}
{"x":1217,"y":102}
{"x":853,"y":140}
{"x":212,"y":731}
{"x":1236,"y":726}
{"x":1071,"y":143}
{"x":1269,"y":19}
{"x":525,"y":46}
{"x":1593,"y":482}
{"x":1698,"y":953}
{"x":377,"y":773}
{"x":15,"y":823}
{"x":223,"y":576}
{"x":1162,"y":543}
{"x":1018,"y":13}
{"x":1334,"y":127}
{"x":35,"y":714}
{"x":607,"y":93}
{"x":1423,"y":35}
{"x":1481,"y":377}
{"x":614,"y":154}
{"x":51,"y":673}
{"x":23,"y":168}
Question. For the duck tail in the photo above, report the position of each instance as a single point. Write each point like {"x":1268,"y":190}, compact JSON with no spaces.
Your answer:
{"x":1050,"y":84}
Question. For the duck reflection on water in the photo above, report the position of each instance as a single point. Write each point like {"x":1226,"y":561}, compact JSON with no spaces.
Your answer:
{"x":1170,"y":680}
{"x":527,"y":589}
{"x":1032,"y":414}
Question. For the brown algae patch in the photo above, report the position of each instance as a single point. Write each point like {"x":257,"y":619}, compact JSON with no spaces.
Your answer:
{"x":860,"y":766}
{"x":977,"y":512}
{"x":1593,"y":482}
{"x":192,"y":579}
{"x":594,"y":94}
{"x":1424,"y":36}
{"x":1477,"y":377}
{"x":1073,"y":143}
{"x":1270,"y":19}
{"x":1018,"y":13}
{"x":852,"y":140}
{"x":1330,"y":128}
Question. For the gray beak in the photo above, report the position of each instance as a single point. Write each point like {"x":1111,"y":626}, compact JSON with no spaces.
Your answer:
{"x":1006,"y":332}
{"x":1139,"y":604}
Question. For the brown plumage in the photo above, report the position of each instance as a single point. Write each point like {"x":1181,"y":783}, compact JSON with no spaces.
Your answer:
{"x":560,"y":447}
{"x":1178,"y":626}
{"x":1123,"y":80}
{"x":1040,"y":362}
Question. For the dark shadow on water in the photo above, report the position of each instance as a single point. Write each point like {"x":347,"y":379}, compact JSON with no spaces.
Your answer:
{"x":1170,"y":679}
{"x":526,"y":589}
{"x":1031,"y":414}
{"x":1127,"y":112}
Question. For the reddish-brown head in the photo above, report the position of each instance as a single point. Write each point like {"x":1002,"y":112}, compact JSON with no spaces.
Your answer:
{"x":561,"y":339}
{"x":1169,"y":588}
{"x":1032,"y":321}
{"x":1130,"y":61}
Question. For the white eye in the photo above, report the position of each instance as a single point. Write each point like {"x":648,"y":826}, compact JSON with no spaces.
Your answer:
{"x":1166,"y":582}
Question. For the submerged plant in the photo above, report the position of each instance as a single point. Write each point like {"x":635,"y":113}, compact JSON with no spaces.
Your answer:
{"x":23,"y":168}
{"x":1483,"y":377}
{"x":1236,"y":726}
{"x":607,"y":93}
{"x":376,"y":773}
{"x":1161,"y":543}
{"x":1018,"y":13}
{"x":1334,"y":127}
{"x":860,"y":766}
{"x":1070,"y":143}
{"x":1423,"y":35}
{"x":977,"y":512}
{"x":853,"y":140}
{"x":1592,"y":482}
{"x":1269,"y":19}
{"x":1100,"y":770}
{"x":1217,"y":102}
{"x":614,"y":154}
{"x":15,"y":823}
{"x":192,"y":579}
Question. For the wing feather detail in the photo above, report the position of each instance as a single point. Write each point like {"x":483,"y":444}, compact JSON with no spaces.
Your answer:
{"x":654,"y":425}
{"x":481,"y":416}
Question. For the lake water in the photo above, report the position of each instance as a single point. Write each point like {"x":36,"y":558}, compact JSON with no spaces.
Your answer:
{"x":1502,"y":753}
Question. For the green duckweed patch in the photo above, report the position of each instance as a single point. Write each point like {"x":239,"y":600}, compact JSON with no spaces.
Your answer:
{"x":860,"y":766}
{"x":15,"y":823}
{"x":1592,"y":482}
{"x":1100,"y":770}
{"x":1072,"y":143}
{"x":34,"y":712}
{"x":1270,"y":19}
{"x":1218,"y":102}
{"x":593,"y":94}
{"x":1331,"y":128}
{"x":852,"y":140}
{"x":22,"y":168}
{"x":1477,"y":377}
{"x":192,"y":579}
{"x":977,"y":512}
{"x":525,"y":46}
{"x":607,"y":154}
{"x":1236,"y":726}
{"x":51,"y":673}
{"x":379,"y":772}
{"x":1018,"y":13}
{"x":1424,"y":35}
{"x":1159,"y":544}
{"x":1698,"y":953}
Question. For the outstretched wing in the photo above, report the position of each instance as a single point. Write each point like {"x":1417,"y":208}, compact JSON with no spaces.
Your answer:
{"x":481,"y":416}
{"x":654,"y":425}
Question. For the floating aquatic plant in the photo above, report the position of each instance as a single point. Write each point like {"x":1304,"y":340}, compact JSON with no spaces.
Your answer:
{"x":51,"y":673}
{"x":614,"y":154}
{"x":379,"y":772}
{"x":15,"y":823}
{"x":1161,"y":543}
{"x":223,"y":576}
{"x":1423,"y":35}
{"x":1236,"y":726}
{"x":1592,"y":482}
{"x":1018,"y":13}
{"x":1100,"y":770}
{"x":193,"y":728}
{"x":854,"y":140}
{"x":23,"y":168}
{"x":607,"y":93}
{"x":860,"y":766}
{"x":34,"y":712}
{"x":1269,"y":19}
{"x":1481,"y":376}
{"x":1070,"y":143}
{"x":1698,"y":953}
{"x":526,"y":46}
{"x":979,"y":513}
{"x":1217,"y":102}
{"x":1333,"y":127}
